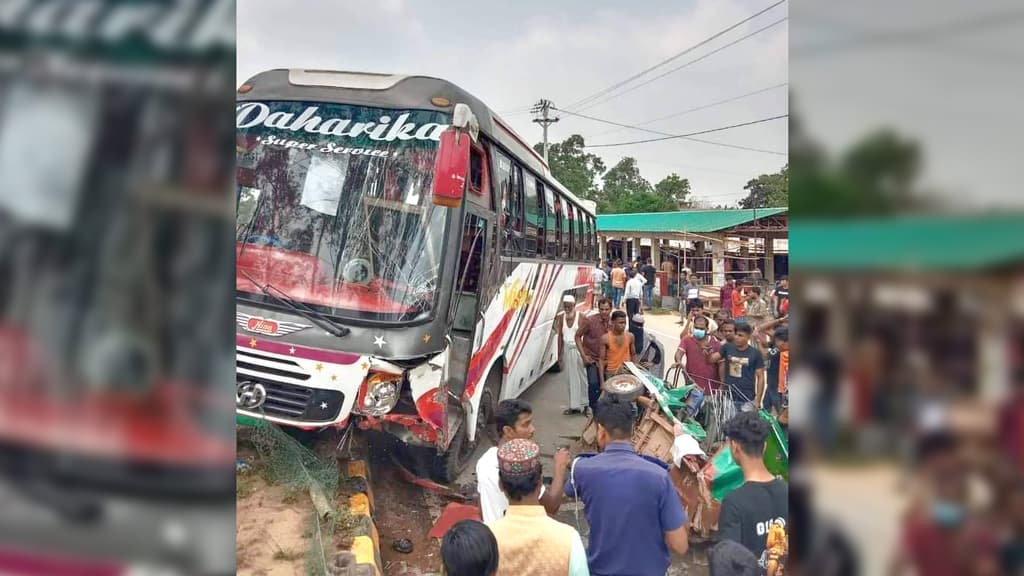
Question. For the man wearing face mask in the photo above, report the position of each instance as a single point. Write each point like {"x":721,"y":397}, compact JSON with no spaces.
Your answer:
{"x":701,"y":354}
{"x":634,"y":512}
{"x":939,"y":535}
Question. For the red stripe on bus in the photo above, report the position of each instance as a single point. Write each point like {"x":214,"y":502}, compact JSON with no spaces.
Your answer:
{"x":537,"y":310}
{"x":483,"y":357}
{"x":527,"y":321}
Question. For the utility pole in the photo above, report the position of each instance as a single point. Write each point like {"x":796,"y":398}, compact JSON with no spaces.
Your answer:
{"x":543,"y":107}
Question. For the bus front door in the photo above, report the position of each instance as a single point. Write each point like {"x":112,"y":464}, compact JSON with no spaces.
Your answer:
{"x":466,"y":332}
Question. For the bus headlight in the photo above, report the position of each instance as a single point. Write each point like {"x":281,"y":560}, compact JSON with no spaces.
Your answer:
{"x":381,"y":394}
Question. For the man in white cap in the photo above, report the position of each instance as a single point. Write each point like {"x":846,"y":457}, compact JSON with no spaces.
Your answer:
{"x":565,"y":326}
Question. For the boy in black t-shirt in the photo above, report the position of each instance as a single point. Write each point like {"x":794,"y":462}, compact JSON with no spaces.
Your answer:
{"x":742,"y":369}
{"x":757,"y":513}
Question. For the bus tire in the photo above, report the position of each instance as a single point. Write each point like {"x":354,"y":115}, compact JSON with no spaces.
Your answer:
{"x":447,"y":466}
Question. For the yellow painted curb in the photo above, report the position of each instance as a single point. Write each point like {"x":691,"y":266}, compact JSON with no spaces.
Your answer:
{"x":366,"y":543}
{"x":365,"y":551}
{"x":360,"y":469}
{"x":359,"y":504}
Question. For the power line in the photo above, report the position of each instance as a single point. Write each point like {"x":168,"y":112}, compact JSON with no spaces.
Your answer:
{"x":697,"y":108}
{"x":751,"y":123}
{"x":668,"y":135}
{"x":680,"y":168}
{"x":671,"y":58}
{"x":690,"y":63}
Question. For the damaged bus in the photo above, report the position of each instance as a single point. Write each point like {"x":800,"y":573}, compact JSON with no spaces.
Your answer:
{"x":401,"y":255}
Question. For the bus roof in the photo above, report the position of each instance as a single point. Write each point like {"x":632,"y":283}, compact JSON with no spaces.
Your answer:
{"x":396,"y":91}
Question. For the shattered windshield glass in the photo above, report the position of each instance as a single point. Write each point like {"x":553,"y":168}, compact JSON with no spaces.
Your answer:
{"x":334,"y":208}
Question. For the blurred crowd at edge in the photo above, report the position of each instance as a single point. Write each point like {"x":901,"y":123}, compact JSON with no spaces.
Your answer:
{"x":907,"y":459}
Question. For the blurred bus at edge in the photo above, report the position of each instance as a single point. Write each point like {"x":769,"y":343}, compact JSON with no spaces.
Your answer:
{"x":116,"y":363}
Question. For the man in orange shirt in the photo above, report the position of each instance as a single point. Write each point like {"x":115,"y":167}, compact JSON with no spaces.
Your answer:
{"x":616,"y":348}
{"x":618,"y":283}
{"x":739,"y":303}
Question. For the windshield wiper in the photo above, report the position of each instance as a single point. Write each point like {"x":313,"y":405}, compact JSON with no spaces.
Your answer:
{"x":306,"y":312}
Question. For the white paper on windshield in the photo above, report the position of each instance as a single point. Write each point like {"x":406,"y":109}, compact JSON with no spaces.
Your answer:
{"x":45,"y":140}
{"x":325,"y":180}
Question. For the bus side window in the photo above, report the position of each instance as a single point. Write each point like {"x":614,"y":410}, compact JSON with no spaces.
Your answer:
{"x":566,"y":231}
{"x":592,"y":232}
{"x":558,"y":227}
{"x":582,"y":247}
{"x":542,"y":220}
{"x":503,"y":189}
{"x":478,"y":181}
{"x":552,"y":224}
{"x":532,"y":215}
{"x":573,"y":251}
{"x":514,"y":225}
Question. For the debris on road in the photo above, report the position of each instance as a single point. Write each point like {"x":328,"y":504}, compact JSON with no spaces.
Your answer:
{"x":402,"y":545}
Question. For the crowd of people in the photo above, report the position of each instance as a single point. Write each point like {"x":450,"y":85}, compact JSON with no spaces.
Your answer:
{"x":966,"y":509}
{"x":635,"y":515}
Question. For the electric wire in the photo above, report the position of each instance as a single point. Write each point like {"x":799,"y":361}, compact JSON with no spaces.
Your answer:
{"x":608,"y":89}
{"x":677,"y":136}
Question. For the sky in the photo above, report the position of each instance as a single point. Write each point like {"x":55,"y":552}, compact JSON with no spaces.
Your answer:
{"x":945,"y":73}
{"x":512,"y":54}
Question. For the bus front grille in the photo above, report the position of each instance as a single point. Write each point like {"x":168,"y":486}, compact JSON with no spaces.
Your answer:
{"x":286,"y":395}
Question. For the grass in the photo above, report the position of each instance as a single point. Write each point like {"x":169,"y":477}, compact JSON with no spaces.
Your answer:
{"x":244,"y":486}
{"x":292,"y":496}
{"x":288,"y":556}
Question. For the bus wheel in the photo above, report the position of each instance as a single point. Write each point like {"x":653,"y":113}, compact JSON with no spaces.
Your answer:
{"x":447,"y":467}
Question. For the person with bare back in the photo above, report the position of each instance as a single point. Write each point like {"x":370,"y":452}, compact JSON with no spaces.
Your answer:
{"x":616,"y":348}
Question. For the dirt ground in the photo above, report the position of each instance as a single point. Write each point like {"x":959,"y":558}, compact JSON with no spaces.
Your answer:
{"x":404,"y":510}
{"x":274,"y":525}
{"x":271,"y":524}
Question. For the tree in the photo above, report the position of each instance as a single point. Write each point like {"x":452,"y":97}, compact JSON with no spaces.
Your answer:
{"x":883,"y":166}
{"x":625,"y":190}
{"x":576,"y":169}
{"x":768,"y":190}
{"x":674,"y":190}
{"x":875,"y":176}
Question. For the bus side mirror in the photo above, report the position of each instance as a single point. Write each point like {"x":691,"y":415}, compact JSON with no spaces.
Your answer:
{"x":451,"y":166}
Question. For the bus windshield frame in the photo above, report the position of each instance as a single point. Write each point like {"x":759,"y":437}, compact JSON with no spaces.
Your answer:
{"x":335,"y":209}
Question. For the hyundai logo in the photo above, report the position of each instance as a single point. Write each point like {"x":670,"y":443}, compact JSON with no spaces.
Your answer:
{"x":250,"y":395}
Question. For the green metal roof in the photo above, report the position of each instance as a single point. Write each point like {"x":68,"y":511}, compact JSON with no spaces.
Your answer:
{"x":968,"y":242}
{"x":696,"y":221}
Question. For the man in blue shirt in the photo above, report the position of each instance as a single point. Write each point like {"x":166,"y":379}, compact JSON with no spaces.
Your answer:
{"x":634,"y":512}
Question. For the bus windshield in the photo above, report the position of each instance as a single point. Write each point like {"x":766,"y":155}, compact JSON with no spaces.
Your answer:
{"x":334,"y":208}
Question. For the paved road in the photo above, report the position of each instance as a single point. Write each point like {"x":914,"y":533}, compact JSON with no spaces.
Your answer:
{"x":549,"y":397}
